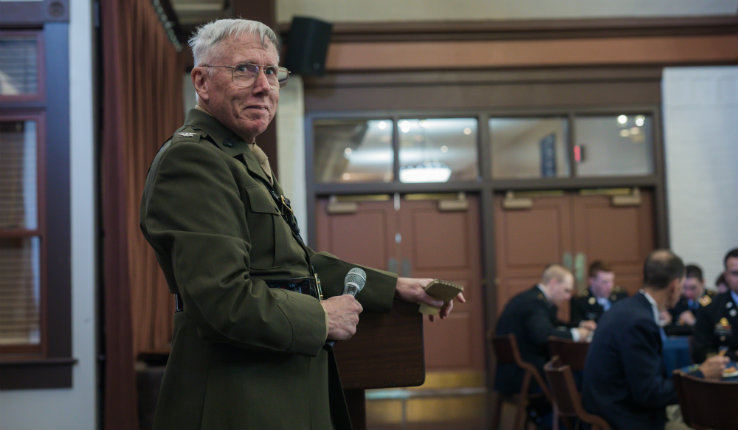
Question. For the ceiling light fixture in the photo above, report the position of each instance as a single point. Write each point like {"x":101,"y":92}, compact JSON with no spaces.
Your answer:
{"x":428,"y":171}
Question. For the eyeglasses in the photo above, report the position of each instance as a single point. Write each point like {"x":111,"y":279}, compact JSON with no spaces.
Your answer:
{"x":245,"y":74}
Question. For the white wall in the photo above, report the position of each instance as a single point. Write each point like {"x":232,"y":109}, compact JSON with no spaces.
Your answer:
{"x":448,"y":10}
{"x":291,"y":149}
{"x":700,"y":106}
{"x":76,"y":407}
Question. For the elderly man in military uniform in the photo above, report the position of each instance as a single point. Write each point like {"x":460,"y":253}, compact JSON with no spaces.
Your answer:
{"x":256,"y":308}
{"x":683,"y":315}
{"x":716,"y":328}
{"x":598,"y":297}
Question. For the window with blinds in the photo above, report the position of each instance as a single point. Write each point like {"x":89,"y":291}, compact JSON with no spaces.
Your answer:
{"x":18,"y":65}
{"x":20,"y":236}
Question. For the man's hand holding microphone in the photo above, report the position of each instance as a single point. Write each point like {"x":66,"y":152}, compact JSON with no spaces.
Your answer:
{"x":342,"y":312}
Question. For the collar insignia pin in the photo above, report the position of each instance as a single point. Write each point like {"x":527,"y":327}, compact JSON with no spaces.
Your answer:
{"x":186,"y":133}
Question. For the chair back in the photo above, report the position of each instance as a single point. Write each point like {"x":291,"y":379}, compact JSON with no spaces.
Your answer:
{"x":566,"y":396}
{"x":707,"y":404}
{"x":569,"y":352}
{"x":506,"y":352}
{"x":505,"y":348}
{"x":563,"y":388}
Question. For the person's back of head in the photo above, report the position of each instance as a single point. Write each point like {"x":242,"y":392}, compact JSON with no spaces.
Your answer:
{"x":554,"y":272}
{"x":721,"y":285}
{"x":661,"y":268}
{"x":558,"y":283}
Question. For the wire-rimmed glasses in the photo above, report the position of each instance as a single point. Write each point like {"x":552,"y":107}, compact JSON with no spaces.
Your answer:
{"x":244,"y":74}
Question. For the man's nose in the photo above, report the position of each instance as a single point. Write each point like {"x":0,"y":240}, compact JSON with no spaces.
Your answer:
{"x":261,"y":83}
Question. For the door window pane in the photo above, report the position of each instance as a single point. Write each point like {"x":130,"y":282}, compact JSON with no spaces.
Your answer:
{"x":18,"y":175}
{"x":20,"y":290}
{"x":353,"y":150}
{"x":438,"y":150}
{"x":18,"y":65}
{"x":617,"y":145}
{"x":529,"y":147}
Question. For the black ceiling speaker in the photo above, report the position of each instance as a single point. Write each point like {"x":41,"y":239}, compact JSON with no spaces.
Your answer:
{"x":307,"y":44}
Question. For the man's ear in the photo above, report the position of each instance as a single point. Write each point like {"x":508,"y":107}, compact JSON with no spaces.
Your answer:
{"x":674,"y":286}
{"x":200,"y":81}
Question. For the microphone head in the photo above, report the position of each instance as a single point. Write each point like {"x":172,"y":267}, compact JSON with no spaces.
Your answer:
{"x":354,"y":281}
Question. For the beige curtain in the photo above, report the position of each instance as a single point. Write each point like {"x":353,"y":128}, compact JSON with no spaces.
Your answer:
{"x":142,"y":104}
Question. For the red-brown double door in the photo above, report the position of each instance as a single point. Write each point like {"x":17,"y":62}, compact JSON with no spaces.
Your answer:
{"x":414,"y":237}
{"x":574,"y":230}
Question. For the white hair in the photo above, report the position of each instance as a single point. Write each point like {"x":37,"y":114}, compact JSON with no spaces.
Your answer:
{"x":209,"y":35}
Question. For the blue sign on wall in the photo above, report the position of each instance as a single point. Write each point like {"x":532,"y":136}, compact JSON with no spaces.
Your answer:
{"x":548,"y":156}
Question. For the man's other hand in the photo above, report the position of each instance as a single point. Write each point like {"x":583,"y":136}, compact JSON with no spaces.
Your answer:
{"x":588,"y":324}
{"x":687,"y":318}
{"x":713,"y":367}
{"x":341,"y":316}
{"x":413,"y":290}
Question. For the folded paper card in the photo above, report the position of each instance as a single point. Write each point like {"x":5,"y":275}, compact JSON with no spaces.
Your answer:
{"x":442,"y":290}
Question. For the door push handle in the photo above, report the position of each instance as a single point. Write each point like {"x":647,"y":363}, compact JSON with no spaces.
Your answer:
{"x":566,"y":260}
{"x":579,"y":263}
{"x":406,"y":268}
{"x":392,"y":265}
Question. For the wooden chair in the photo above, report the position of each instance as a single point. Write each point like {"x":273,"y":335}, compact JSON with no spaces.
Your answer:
{"x":566,"y":397}
{"x":505,"y":349}
{"x":573,"y":354}
{"x":569,"y":352}
{"x":707,"y":404}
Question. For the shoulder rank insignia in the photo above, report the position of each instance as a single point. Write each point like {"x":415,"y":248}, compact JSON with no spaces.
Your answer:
{"x":705,"y":300}
{"x":186,"y":133}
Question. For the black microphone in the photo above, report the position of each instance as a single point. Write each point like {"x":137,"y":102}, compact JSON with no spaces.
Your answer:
{"x":352,"y":284}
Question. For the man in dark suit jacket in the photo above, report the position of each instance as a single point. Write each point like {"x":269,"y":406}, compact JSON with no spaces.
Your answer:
{"x":625,"y":379}
{"x":599,"y":296}
{"x":531,"y":317}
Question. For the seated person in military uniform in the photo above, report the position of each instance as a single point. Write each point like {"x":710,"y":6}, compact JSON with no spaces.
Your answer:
{"x":599,"y":296}
{"x":531,"y":317}
{"x":716,"y":328}
{"x":683,"y":316}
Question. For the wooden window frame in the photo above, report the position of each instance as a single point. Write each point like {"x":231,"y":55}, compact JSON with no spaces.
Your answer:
{"x":40,"y":84}
{"x":51,"y":366}
{"x":32,"y":351}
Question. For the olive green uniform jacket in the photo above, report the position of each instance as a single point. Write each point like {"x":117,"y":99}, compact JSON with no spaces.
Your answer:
{"x":243,"y":355}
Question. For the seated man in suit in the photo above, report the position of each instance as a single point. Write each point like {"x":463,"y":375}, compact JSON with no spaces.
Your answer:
{"x":531,"y":317}
{"x":717,"y":323}
{"x":599,"y":296}
{"x":625,"y":378}
{"x":684,"y":315}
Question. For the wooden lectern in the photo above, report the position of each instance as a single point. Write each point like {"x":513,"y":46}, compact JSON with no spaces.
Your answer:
{"x":385,"y":352}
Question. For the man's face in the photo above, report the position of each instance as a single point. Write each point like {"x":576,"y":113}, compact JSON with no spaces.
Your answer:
{"x":247,"y":111}
{"x":561,"y":291}
{"x":602,"y":283}
{"x":692,"y":288}
{"x":731,"y":273}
